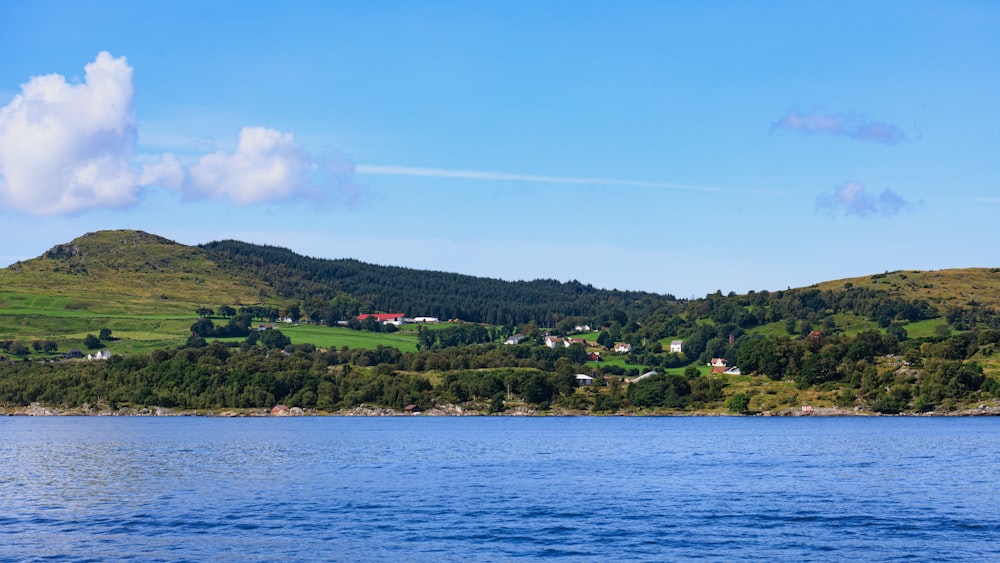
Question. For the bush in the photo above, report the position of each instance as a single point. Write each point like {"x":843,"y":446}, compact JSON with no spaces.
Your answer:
{"x":739,"y":404}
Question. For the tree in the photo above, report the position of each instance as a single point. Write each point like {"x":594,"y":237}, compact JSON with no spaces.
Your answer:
{"x":204,"y":312}
{"x":203,"y":327}
{"x":92,"y":342}
{"x":604,"y":339}
{"x":537,"y":388}
{"x":226,"y":311}
{"x":739,"y":404}
{"x":105,"y":334}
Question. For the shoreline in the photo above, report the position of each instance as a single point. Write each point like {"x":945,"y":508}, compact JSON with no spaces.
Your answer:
{"x":37,"y":409}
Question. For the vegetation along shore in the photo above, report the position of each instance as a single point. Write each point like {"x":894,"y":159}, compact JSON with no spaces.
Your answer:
{"x":129,"y":323}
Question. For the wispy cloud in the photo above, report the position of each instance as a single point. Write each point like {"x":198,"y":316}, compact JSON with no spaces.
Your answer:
{"x":389,"y":170}
{"x":850,"y":125}
{"x":851,"y":199}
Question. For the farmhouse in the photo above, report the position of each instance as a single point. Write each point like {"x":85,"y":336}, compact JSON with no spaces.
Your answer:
{"x":676,"y":346}
{"x":424,"y":320}
{"x":385,"y":318}
{"x":623,"y":347}
{"x":516,"y":339}
{"x":553,"y":341}
{"x":583,"y":380}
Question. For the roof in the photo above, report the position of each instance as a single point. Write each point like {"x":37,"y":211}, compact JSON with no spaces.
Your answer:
{"x":381,"y":316}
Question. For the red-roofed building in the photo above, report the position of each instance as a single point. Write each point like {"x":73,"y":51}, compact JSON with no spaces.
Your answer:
{"x":385,"y":318}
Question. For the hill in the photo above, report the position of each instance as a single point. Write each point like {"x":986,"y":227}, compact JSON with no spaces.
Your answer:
{"x":123,"y":272}
{"x":430,"y":293}
{"x":891,"y":342}
{"x":942,"y":288}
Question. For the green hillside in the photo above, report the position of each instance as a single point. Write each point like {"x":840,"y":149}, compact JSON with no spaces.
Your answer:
{"x":143,"y":287}
{"x":942,"y":288}
{"x":893,"y":342}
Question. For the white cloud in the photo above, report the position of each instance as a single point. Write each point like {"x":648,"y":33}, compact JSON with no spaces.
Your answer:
{"x":266,"y":165}
{"x":270,"y":165}
{"x":851,"y":198}
{"x":850,"y":125}
{"x":66,"y":148}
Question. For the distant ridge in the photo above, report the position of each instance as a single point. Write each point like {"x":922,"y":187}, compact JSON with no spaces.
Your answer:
{"x":119,"y":265}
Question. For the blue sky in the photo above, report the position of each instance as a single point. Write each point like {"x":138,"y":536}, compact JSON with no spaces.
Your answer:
{"x":676,"y":147}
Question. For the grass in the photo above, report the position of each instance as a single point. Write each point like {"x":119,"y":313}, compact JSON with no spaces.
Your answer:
{"x":923,"y":329}
{"x":338,"y":337}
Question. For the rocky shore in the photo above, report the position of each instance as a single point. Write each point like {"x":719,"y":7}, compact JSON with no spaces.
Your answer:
{"x":37,"y":409}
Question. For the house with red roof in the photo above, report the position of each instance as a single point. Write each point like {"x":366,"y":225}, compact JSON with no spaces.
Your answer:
{"x":385,"y":318}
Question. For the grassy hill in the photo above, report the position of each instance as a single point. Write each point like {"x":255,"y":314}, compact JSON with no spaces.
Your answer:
{"x":122,"y":272}
{"x":942,"y":288}
{"x":146,"y":288}
{"x":143,"y":287}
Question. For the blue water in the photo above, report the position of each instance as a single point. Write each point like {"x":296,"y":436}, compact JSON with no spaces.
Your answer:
{"x":495,"y":489}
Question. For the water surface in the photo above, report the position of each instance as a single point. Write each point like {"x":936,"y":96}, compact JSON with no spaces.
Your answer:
{"x":496,"y":489}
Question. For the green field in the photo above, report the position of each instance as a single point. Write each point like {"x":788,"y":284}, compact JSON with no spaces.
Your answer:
{"x":338,"y":337}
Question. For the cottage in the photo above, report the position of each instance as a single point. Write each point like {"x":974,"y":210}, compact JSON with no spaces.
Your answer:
{"x":553,"y":341}
{"x":583,"y":380}
{"x":623,"y":347}
{"x":99,"y":355}
{"x":718,"y":362}
{"x":413,"y":409}
{"x":676,"y":346}
{"x":594,"y":356}
{"x":516,"y":339}
{"x":571,"y":341}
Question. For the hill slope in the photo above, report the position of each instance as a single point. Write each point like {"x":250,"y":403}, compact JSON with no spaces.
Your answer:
{"x":123,"y":272}
{"x":942,"y":288}
{"x":430,"y":293}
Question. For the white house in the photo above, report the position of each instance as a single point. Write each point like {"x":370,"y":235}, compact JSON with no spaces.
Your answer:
{"x":425,"y":320}
{"x":623,"y":347}
{"x":676,"y":346}
{"x":553,"y":341}
{"x":583,"y":380}
{"x":718,"y":363}
{"x":99,"y":355}
{"x":516,"y":339}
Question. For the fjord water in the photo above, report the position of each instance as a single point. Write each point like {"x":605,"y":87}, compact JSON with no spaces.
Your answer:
{"x":494,"y":489}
